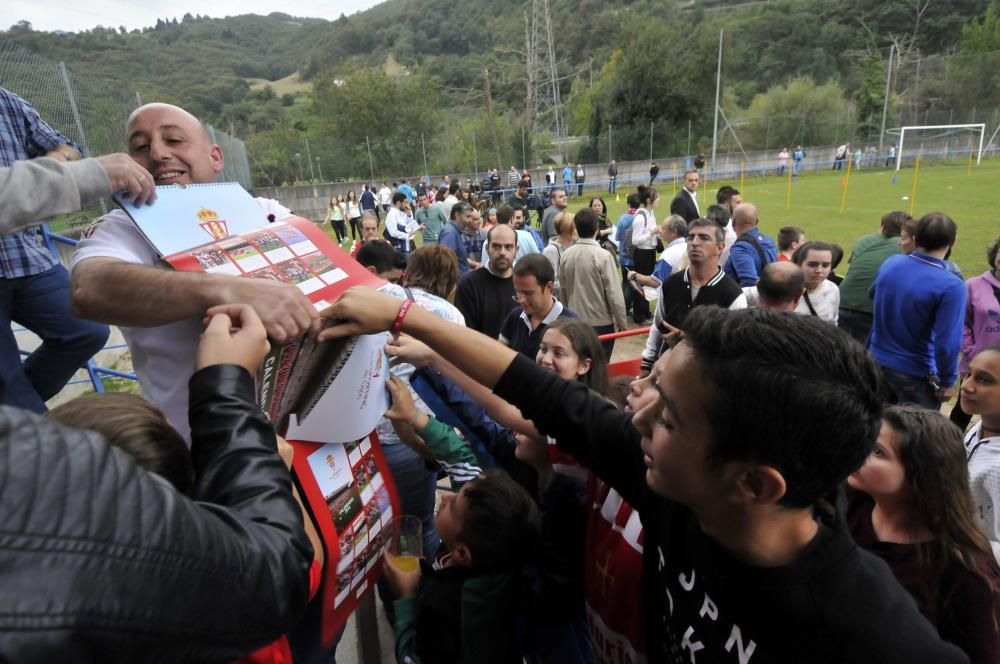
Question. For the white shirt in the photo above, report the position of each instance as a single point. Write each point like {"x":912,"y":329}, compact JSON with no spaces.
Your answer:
{"x":825,"y":300}
{"x":644,"y":229}
{"x":673,"y":252}
{"x":385,"y":196}
{"x":440,"y":308}
{"x":396,"y":218}
{"x":730,"y":239}
{"x":447,"y":204}
{"x":984,"y":479}
{"x":163,"y":356}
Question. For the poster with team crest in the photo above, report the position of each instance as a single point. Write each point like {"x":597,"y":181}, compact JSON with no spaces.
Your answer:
{"x":325,"y":398}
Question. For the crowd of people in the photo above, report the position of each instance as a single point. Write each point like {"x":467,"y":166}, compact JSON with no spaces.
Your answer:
{"x":776,"y":484}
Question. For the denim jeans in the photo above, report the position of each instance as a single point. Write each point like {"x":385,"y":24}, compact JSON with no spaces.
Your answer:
{"x":903,"y":388}
{"x":40,"y":303}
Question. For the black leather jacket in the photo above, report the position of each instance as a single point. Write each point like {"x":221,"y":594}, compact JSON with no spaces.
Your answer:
{"x":101,"y":561}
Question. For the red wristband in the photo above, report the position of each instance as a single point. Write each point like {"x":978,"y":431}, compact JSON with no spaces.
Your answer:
{"x":397,"y":324}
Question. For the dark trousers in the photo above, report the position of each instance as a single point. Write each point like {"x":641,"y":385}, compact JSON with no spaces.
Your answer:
{"x":627,"y":291}
{"x":609,"y":345}
{"x":858,"y":324}
{"x":579,"y":187}
{"x":645,"y":261}
{"x":355,"y":228}
{"x":902,"y":388}
{"x":339,"y":229}
{"x":40,"y":303}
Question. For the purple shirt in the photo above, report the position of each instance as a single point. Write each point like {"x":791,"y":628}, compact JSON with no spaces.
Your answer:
{"x":982,"y":318}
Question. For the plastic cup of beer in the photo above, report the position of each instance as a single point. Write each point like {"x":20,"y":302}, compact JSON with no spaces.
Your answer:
{"x":407,"y":544}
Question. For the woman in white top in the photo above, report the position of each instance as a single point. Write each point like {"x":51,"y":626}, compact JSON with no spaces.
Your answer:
{"x":353,"y":210}
{"x":644,"y":236}
{"x":980,"y":395}
{"x":821,"y":297}
{"x":564,"y":239}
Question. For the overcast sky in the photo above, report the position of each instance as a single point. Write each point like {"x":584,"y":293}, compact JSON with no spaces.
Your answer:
{"x":76,"y":15}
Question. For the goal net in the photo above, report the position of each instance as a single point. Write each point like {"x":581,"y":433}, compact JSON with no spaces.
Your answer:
{"x":943,"y":141}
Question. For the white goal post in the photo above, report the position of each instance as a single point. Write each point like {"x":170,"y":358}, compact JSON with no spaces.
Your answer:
{"x":903,"y":130}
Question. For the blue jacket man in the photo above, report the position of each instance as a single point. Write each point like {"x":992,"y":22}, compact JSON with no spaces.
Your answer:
{"x":752,"y":250}
{"x":917,"y":316}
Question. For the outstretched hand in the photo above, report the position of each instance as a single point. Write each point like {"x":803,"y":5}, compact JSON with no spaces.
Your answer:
{"x":233,"y":336}
{"x":360,"y":310}
{"x":407,"y":349}
{"x":128,"y":177}
{"x":285,"y":311}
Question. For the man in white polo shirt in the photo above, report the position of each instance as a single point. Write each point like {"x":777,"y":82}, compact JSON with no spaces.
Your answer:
{"x":118,"y":278}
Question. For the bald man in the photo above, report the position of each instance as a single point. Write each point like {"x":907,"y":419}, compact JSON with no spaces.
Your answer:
{"x":752,"y":250}
{"x":780,"y":287}
{"x":118,"y":278}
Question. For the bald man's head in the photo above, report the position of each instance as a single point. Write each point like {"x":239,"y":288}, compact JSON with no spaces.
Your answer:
{"x":744,"y":217}
{"x":173,"y":145}
{"x":780,"y":286}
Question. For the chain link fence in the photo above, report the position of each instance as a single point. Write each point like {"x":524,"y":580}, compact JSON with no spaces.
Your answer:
{"x":93,"y":115}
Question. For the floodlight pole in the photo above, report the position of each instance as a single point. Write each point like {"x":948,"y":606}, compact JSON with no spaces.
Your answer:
{"x":718,"y":85}
{"x":885,"y":102}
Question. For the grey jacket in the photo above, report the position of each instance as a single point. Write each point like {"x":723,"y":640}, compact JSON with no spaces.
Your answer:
{"x":44,"y":187}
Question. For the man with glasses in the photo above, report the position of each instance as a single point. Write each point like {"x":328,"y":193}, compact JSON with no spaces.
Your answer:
{"x":703,"y":282}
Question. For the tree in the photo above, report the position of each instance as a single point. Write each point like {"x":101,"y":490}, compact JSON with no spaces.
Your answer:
{"x":974,"y":71}
{"x":799,"y":112}
{"x":870,"y":96}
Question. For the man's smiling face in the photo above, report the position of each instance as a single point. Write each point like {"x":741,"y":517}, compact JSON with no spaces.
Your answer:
{"x":171,"y":144}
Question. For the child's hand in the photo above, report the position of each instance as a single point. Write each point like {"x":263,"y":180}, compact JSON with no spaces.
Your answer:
{"x":235,"y":335}
{"x":403,"y":409}
{"x":404,"y":584}
{"x":407,"y":349}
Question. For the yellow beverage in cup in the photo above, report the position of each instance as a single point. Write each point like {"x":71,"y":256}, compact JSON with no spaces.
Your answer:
{"x":405,"y":563}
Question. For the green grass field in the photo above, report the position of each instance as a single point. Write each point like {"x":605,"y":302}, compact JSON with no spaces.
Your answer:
{"x":815,"y":203}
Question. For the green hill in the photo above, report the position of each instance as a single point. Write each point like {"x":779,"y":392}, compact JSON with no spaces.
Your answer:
{"x":409,"y":74}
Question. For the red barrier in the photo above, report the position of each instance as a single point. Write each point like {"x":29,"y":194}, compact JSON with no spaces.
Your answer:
{"x":625,"y":367}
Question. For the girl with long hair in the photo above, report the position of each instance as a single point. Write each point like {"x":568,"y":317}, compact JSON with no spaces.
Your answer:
{"x":335,"y":217}
{"x":980,"y":395}
{"x":644,"y":236}
{"x":353,"y":212}
{"x":914,"y":510}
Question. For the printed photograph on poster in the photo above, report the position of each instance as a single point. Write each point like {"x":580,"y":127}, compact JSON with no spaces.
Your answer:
{"x":214,"y":261}
{"x":353,"y":449}
{"x":269,"y":245}
{"x":346,"y":538}
{"x":343,"y":585}
{"x":363,"y":481}
{"x":344,"y":507}
{"x":296,"y":241}
{"x":245,"y":255}
{"x":360,"y":527}
{"x":331,"y":468}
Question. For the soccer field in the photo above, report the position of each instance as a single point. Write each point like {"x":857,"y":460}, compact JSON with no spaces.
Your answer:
{"x":971,"y":200}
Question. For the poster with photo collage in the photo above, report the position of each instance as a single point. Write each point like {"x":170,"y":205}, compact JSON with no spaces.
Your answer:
{"x":351,"y":484}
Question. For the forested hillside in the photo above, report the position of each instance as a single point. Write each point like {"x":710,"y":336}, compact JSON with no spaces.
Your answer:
{"x":409,"y":74}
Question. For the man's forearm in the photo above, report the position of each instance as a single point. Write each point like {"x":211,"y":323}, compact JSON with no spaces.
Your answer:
{"x":120,"y":293}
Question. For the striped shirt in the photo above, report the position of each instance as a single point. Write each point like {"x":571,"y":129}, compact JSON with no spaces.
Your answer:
{"x":24,"y":135}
